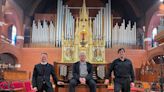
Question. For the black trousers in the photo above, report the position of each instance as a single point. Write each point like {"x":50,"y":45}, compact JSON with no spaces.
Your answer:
{"x":122,"y":84}
{"x":45,"y":88}
{"x":73,"y":83}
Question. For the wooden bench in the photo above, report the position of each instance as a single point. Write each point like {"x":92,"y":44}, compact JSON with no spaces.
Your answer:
{"x":82,"y":88}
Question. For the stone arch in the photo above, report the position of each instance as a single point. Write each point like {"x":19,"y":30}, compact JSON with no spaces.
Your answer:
{"x":8,"y":58}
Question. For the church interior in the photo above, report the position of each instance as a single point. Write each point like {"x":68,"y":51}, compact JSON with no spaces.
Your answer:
{"x":63,"y":28}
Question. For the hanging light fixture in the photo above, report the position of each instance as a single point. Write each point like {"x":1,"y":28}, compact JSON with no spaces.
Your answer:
{"x":2,"y":23}
{"x":161,"y":1}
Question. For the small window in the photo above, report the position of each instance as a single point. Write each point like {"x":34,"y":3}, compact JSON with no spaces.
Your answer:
{"x":154,"y":33}
{"x":14,"y":33}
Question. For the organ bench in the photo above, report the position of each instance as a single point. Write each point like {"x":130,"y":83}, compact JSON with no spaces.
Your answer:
{"x":64,"y":73}
{"x":82,"y":88}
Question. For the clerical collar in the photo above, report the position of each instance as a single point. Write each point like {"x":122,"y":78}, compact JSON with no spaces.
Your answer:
{"x":43,"y":63}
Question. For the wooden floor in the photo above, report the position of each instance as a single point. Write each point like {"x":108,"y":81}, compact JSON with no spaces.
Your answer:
{"x":82,"y":88}
{"x":100,"y":88}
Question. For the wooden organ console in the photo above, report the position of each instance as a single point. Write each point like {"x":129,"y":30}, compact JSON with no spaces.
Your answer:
{"x":64,"y":73}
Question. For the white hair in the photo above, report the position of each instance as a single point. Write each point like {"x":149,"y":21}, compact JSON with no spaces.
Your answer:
{"x":82,"y":53}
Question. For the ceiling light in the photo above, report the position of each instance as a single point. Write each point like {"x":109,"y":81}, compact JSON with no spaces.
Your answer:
{"x":161,"y":1}
{"x":2,"y":23}
{"x":9,"y":13}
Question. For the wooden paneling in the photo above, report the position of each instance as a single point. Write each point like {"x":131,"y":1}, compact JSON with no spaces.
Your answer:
{"x":83,"y":88}
{"x":15,"y":75}
{"x":160,"y":37}
{"x":69,"y":70}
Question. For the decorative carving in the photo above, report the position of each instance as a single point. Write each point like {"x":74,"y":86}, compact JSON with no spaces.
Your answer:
{"x":101,"y":71}
{"x":63,"y":70}
{"x":98,"y":54}
{"x":68,"y":54}
{"x":94,"y":48}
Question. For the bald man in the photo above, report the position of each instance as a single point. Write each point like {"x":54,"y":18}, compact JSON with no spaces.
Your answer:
{"x":82,"y":74}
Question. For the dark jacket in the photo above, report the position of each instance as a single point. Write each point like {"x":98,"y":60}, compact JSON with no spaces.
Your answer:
{"x":38,"y":76}
{"x":76,"y":71}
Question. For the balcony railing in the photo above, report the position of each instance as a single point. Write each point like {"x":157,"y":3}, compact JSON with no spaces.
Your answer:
{"x":160,"y":37}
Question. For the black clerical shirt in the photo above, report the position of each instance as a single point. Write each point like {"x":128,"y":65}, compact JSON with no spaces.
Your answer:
{"x":43,"y":71}
{"x":122,"y":69}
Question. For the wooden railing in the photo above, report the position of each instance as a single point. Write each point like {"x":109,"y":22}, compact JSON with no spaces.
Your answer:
{"x":160,"y":37}
{"x":14,"y":75}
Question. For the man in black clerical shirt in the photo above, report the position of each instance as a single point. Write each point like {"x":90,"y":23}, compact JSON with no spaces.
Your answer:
{"x":123,"y":72}
{"x":41,"y":75}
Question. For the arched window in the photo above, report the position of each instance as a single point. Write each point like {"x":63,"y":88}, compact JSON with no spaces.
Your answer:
{"x":12,"y":32}
{"x":8,"y":62}
{"x":7,"y":58}
{"x":154,"y":33}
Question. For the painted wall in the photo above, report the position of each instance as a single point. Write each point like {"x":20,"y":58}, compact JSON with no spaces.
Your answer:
{"x":28,"y":57}
{"x":31,"y":56}
{"x":136,"y":56}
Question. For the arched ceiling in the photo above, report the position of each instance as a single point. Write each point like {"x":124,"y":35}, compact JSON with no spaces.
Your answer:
{"x":128,"y":9}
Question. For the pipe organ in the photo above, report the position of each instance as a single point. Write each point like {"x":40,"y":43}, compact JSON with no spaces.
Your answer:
{"x":43,"y":34}
{"x":83,"y":33}
{"x":69,"y":25}
{"x":107,"y":24}
{"x":124,"y":36}
{"x":60,"y":22}
{"x":102,"y":25}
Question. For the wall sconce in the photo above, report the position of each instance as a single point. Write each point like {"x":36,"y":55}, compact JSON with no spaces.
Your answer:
{"x":17,"y":65}
{"x":2,"y":23}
